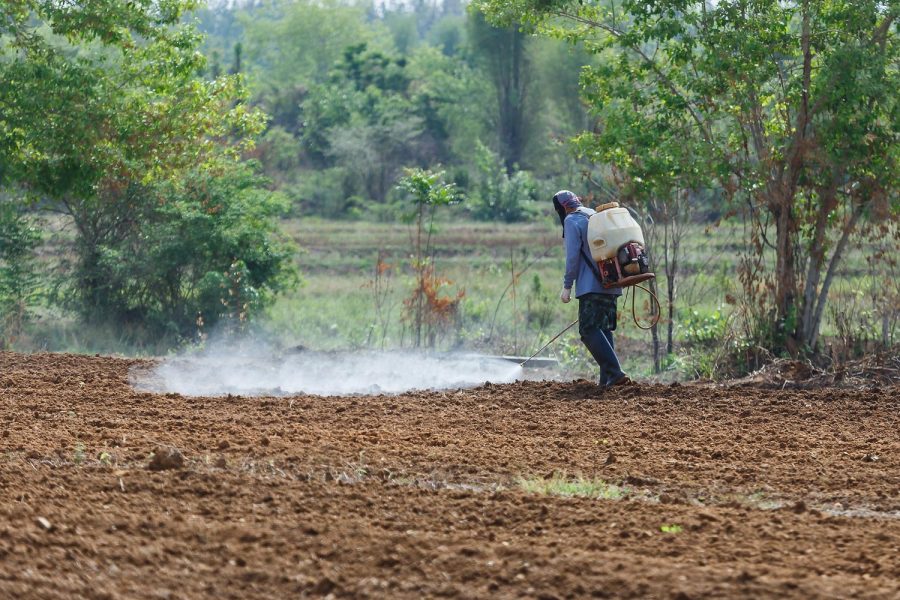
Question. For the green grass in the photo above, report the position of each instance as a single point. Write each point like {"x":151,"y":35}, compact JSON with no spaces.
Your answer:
{"x":561,"y":485}
{"x":334,"y":308}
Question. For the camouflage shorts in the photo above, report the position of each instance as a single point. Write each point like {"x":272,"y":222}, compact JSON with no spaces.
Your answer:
{"x":596,"y":311}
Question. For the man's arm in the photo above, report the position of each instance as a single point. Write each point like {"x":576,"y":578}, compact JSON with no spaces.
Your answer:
{"x":573,"y":252}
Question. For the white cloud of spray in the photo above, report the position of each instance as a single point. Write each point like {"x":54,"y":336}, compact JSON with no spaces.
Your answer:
{"x":245,"y":369}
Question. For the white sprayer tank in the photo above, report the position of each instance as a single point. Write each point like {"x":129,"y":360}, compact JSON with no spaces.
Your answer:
{"x":610,"y":228}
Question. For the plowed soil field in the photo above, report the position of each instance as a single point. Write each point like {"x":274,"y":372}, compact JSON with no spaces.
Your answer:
{"x":108,"y":492}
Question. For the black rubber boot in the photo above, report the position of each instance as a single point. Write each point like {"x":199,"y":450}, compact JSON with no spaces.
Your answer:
{"x":600,"y":348}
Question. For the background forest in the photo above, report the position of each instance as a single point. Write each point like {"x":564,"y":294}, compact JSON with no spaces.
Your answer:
{"x":349,"y":174}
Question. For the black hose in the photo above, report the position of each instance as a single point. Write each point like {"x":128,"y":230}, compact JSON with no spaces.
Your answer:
{"x":634,"y":310}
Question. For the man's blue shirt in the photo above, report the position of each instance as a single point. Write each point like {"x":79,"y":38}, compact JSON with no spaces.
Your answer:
{"x":578,"y":271}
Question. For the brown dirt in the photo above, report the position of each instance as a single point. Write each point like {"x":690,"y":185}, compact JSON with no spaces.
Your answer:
{"x":778,"y":493}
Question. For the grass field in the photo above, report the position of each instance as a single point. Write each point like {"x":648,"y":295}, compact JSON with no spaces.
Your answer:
{"x":335,"y":306}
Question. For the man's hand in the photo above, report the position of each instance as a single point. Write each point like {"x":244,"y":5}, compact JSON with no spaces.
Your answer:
{"x":565,"y":295}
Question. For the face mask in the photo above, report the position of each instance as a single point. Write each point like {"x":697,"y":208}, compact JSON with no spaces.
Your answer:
{"x":561,"y":212}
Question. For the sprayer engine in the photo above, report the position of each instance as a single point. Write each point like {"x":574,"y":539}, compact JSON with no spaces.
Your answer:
{"x":630,"y":266}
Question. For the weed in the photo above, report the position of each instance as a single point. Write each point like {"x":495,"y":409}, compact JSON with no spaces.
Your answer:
{"x":673,"y":528}
{"x":561,"y":485}
{"x":78,"y":455}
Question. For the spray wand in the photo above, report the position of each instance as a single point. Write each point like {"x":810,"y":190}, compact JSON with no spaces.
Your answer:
{"x":633,"y":315}
{"x":553,"y":339}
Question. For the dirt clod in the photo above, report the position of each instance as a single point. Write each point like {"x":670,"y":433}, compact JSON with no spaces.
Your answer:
{"x":166,"y":458}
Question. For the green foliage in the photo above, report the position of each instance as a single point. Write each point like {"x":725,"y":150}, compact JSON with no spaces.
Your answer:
{"x":703,"y":327}
{"x":370,"y":121}
{"x":195,"y":253}
{"x":297,"y":43}
{"x":502,"y":53}
{"x":573,"y":356}
{"x":367,"y":95}
{"x":78,"y":454}
{"x":789,"y":108}
{"x":500,"y":196}
{"x":673,"y":528}
{"x":429,"y":309}
{"x":95,"y":110}
{"x":426,"y":189}
{"x":18,"y":277}
{"x":540,"y":305}
{"x":102,"y":117}
{"x":452,"y":98}
{"x":279,"y":151}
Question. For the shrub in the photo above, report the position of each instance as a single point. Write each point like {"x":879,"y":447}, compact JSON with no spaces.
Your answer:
{"x":431,"y":308}
{"x":18,"y":280}
{"x":703,"y":328}
{"x":190,"y":255}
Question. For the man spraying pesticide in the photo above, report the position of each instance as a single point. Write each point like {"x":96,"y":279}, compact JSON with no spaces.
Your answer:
{"x":604,"y":253}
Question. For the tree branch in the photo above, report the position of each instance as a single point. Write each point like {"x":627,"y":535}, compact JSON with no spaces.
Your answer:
{"x":849,"y":228}
{"x":617,"y":33}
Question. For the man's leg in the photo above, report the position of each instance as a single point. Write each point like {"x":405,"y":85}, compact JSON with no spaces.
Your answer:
{"x":596,"y":315}
{"x":616,"y":378}
{"x":598,"y":345}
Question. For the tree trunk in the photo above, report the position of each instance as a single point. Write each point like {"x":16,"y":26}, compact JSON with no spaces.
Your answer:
{"x":671,"y":268}
{"x":785,"y":276}
{"x":512,"y":102}
{"x":502,"y":54}
{"x":654,"y":331}
{"x":790,"y":330}
{"x":812,"y":336}
{"x":827,"y":203}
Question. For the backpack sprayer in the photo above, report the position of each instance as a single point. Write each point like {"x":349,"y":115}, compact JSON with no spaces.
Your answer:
{"x":617,"y":247}
{"x":618,"y":257}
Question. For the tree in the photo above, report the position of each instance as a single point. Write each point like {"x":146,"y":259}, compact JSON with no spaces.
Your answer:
{"x":202,"y":250}
{"x":18,"y":279}
{"x":297,"y":43}
{"x":443,"y":87}
{"x":501,"y":52}
{"x":497,"y":195}
{"x":101,"y":101}
{"x":372,"y":120}
{"x":789,"y":107}
{"x":426,"y":308}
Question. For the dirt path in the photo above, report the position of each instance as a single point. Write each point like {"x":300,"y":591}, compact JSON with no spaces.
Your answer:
{"x":762,"y":493}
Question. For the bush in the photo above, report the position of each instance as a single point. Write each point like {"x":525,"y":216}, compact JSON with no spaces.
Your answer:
{"x":704,"y":329}
{"x":324,"y":193}
{"x":706,"y":334}
{"x":193,"y":255}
